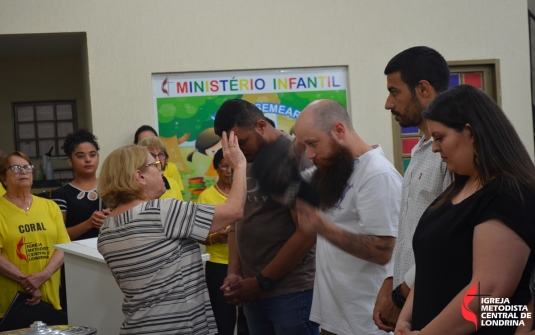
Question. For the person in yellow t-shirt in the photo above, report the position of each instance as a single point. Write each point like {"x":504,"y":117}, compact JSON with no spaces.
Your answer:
{"x":173,"y":191}
{"x":170,"y":170}
{"x":157,"y":150}
{"x":216,"y":245}
{"x":29,"y":228}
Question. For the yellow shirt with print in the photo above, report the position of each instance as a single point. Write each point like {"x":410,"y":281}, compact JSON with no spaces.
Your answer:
{"x":27,"y":240}
{"x":171,"y":172}
{"x":173,"y":192}
{"x":218,"y":251}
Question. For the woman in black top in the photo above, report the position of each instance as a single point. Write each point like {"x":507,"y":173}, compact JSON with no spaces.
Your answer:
{"x":476,"y":238}
{"x":79,"y":202}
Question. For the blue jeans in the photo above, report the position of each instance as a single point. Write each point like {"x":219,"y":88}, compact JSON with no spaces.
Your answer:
{"x":282,"y":315}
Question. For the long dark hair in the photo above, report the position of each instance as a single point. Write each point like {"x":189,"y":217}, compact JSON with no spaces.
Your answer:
{"x":500,"y":152}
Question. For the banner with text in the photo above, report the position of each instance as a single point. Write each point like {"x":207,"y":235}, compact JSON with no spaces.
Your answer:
{"x":185,"y":106}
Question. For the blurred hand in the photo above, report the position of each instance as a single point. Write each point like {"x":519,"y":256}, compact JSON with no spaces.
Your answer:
{"x":98,"y":217}
{"x":220,"y":237}
{"x":34,"y":281}
{"x":35,"y":299}
{"x":309,"y":218}
{"x":229,"y":281}
{"x":243,"y":292}
{"x":405,"y":328}
{"x":385,"y":313}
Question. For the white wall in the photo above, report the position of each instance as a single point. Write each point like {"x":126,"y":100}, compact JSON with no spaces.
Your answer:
{"x":129,"y":40}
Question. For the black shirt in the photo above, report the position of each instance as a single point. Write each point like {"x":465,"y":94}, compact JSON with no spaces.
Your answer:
{"x":443,"y":249}
{"x":79,"y":205}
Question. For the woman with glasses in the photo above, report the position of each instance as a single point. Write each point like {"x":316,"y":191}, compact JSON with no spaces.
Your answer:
{"x":29,"y":228}
{"x":170,"y":170}
{"x":151,"y":245}
{"x":79,"y":202}
{"x":217,"y":247}
{"x":157,"y":150}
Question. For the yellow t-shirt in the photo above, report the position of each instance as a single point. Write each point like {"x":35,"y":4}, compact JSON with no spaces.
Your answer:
{"x":173,"y":192}
{"x":2,"y":190}
{"x":27,"y":241}
{"x":171,"y":172}
{"x":218,"y":251}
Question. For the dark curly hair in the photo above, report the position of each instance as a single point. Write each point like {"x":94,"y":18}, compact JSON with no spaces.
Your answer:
{"x":78,"y":137}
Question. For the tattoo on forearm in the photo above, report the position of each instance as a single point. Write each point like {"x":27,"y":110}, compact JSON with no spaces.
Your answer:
{"x":368,"y":247}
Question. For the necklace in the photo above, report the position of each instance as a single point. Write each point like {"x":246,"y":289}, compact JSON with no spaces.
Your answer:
{"x":217,"y":187}
{"x":27,"y":208}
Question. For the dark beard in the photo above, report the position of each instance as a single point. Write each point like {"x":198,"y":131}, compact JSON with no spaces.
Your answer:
{"x":332,"y":174}
{"x":413,"y":113}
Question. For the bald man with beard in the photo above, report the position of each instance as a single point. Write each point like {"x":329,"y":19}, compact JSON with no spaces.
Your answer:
{"x":356,"y":224}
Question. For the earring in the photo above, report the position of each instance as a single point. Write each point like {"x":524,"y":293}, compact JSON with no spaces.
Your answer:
{"x":476,"y":157}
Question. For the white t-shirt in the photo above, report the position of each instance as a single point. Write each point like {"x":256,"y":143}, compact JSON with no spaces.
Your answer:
{"x":345,"y":287}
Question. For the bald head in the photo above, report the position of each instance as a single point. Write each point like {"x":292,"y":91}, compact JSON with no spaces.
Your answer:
{"x":323,"y":114}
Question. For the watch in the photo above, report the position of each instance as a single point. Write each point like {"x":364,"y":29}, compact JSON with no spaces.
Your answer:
{"x":264,"y":283}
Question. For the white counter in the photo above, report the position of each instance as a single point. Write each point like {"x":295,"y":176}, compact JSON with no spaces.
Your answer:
{"x":93,"y":297}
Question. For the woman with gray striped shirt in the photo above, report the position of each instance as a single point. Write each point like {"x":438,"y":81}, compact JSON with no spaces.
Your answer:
{"x":150,"y":245}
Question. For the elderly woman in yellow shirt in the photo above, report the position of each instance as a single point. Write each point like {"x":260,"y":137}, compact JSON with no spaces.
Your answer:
{"x":157,"y":150}
{"x":29,"y":228}
{"x":170,"y":170}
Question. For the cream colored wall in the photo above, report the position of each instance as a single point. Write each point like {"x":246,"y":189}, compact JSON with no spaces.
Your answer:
{"x":37,"y":79}
{"x":129,"y":40}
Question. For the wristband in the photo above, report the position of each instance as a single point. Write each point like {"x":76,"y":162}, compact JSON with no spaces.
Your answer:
{"x":49,"y":271}
{"x":398,"y":298}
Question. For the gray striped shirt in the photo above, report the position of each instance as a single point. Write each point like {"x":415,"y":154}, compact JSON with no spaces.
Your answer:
{"x":152,"y":251}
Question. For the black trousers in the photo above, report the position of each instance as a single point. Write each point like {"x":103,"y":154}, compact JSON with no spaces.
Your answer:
{"x":225,"y":313}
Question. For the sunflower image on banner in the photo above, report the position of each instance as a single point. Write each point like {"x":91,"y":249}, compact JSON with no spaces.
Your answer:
{"x":185,"y":106}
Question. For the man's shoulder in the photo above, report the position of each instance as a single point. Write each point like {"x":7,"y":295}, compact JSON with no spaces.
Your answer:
{"x":376,"y":163}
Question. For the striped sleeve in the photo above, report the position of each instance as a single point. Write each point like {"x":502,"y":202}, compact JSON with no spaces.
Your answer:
{"x":186,"y":219}
{"x":58,"y":196}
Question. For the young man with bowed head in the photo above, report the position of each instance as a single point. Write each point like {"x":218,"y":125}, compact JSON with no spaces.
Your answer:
{"x":356,"y":225}
{"x":271,"y":260}
{"x":414,"y":78}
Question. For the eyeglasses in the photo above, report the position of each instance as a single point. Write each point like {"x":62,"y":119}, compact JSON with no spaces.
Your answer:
{"x":223,"y":167}
{"x":18,"y":168}
{"x":161,"y":155}
{"x":158,"y":165}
